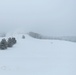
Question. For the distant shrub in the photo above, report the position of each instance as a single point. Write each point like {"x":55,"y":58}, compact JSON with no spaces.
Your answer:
{"x":23,"y":37}
{"x":3,"y":44}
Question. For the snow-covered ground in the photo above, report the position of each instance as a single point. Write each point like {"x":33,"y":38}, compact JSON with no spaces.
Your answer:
{"x":38,"y":57}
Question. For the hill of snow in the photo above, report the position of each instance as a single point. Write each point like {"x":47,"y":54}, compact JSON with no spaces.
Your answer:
{"x":65,"y":38}
{"x":38,"y":57}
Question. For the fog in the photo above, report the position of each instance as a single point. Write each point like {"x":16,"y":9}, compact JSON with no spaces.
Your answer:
{"x":48,"y":17}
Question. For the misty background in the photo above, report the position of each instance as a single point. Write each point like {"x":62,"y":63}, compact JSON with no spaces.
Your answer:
{"x":48,"y":17}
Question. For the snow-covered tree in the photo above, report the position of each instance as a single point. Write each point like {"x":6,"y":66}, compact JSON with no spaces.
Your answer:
{"x":10,"y":43}
{"x":3,"y":44}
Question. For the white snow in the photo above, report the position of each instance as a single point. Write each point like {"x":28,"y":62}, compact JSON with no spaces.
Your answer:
{"x":38,"y":57}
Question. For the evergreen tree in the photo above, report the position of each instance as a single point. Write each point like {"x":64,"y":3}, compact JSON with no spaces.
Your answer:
{"x":10,"y":43}
{"x":3,"y":44}
{"x":13,"y":40}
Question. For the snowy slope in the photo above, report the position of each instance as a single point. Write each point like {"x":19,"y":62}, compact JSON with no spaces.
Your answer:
{"x":38,"y":57}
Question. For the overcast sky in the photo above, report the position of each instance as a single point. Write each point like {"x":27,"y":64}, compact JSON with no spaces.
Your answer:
{"x":49,"y":17}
